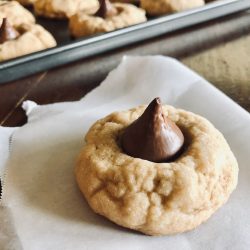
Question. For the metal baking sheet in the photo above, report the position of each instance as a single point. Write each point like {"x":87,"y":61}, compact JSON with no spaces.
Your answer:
{"x":69,"y":50}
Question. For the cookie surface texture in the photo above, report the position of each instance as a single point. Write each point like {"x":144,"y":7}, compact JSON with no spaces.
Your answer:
{"x":156,"y":198}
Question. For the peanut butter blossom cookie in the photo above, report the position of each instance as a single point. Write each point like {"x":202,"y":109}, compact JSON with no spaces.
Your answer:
{"x":22,"y":39}
{"x":156,"y":169}
{"x":126,"y":1}
{"x":64,"y":8}
{"x":161,"y":7}
{"x":16,"y":13}
{"x":109,"y":17}
{"x":27,"y":2}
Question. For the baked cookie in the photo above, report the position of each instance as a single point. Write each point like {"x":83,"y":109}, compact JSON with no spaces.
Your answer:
{"x":156,"y":198}
{"x":64,"y":8}
{"x":22,"y":40}
{"x":161,"y":7}
{"x":27,"y":2}
{"x":16,"y":13}
{"x":125,"y":1}
{"x":109,"y":17}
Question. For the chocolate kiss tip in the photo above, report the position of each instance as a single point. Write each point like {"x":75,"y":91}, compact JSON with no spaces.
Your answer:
{"x":7,"y":32}
{"x":106,"y":9}
{"x":153,"y":136}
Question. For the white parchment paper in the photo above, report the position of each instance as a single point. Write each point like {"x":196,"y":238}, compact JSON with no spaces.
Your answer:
{"x":48,"y":210}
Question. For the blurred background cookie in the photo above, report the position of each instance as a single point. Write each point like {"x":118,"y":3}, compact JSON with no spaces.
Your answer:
{"x":27,"y":2}
{"x":126,"y":1}
{"x":161,"y":7}
{"x":15,"y":13}
{"x":64,"y":8}
{"x":109,"y":17}
{"x":23,"y":39}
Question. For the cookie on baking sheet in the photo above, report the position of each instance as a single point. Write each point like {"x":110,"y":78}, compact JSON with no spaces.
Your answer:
{"x":108,"y":18}
{"x":156,"y":196}
{"x":23,"y":39}
{"x":64,"y":8}
{"x":27,"y":2}
{"x":161,"y":7}
{"x":126,"y":1}
{"x":15,"y":13}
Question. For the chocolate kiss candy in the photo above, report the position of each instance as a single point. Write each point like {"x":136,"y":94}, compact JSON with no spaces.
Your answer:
{"x":106,"y":9}
{"x":153,"y":136}
{"x":7,"y":32}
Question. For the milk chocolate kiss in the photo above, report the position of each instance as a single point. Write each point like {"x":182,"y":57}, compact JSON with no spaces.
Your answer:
{"x":153,"y":136}
{"x":7,"y":32}
{"x":106,"y":9}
